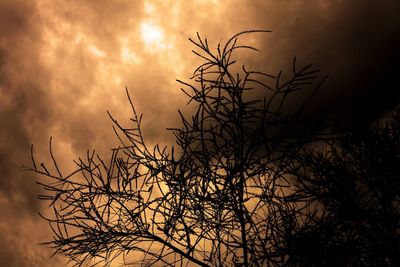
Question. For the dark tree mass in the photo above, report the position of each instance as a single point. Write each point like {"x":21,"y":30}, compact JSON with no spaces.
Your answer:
{"x":353,"y":182}
{"x":250,"y":181}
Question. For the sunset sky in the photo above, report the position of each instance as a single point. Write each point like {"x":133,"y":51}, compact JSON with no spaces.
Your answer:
{"x":63,"y":64}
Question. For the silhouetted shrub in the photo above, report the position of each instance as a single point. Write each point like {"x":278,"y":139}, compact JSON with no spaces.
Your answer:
{"x":219,"y":197}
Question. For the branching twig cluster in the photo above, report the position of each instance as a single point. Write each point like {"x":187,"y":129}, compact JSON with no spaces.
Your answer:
{"x":219,"y":197}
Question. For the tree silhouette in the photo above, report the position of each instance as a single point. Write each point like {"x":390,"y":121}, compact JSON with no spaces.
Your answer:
{"x":352,"y":181}
{"x":219,"y":197}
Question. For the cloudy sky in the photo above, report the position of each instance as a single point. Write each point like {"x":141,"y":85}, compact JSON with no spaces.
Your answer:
{"x":64,"y":63}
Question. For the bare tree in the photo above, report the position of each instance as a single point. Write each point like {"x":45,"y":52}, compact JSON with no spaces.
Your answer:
{"x":219,"y":197}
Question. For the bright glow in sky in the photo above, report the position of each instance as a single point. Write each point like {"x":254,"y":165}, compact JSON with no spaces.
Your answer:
{"x":152,"y":35}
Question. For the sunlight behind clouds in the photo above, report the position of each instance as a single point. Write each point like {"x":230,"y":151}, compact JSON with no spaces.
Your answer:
{"x":152,"y":36}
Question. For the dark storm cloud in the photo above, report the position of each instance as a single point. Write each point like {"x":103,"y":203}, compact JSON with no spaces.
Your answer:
{"x":21,"y":83}
{"x":24,"y":108}
{"x":355,"y":42}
